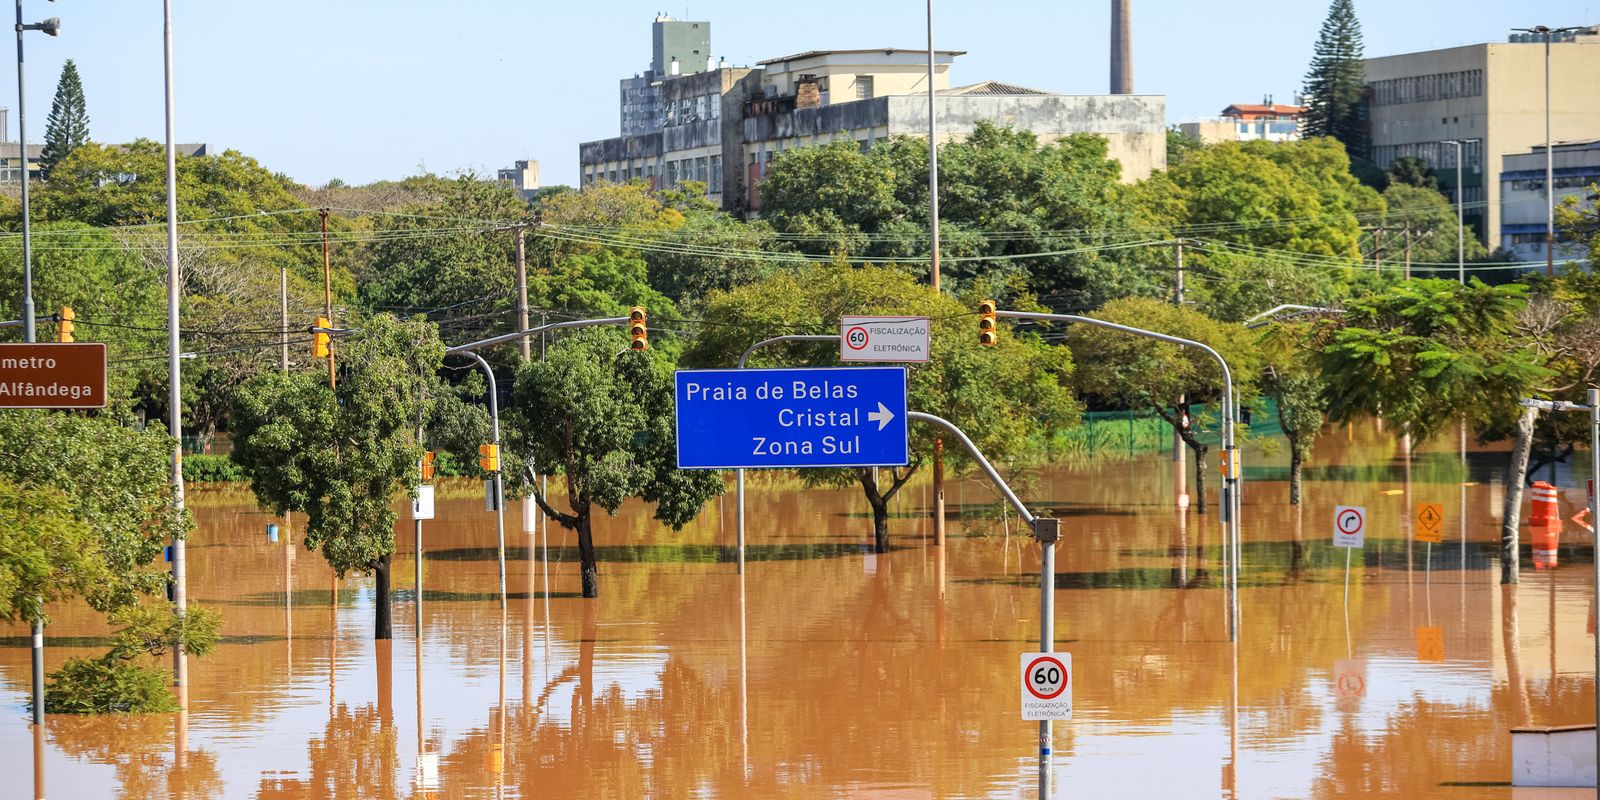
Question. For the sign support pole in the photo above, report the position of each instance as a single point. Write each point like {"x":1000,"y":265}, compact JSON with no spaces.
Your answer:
{"x":1594,"y":522}
{"x":739,"y":474}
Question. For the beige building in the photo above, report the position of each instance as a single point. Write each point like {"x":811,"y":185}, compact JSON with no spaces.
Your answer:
{"x":1490,"y":96}
{"x":723,"y":126}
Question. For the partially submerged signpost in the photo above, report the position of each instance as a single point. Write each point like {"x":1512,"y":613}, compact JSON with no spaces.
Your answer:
{"x":825,"y":417}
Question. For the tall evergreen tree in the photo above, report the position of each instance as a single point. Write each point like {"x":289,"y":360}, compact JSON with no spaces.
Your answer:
{"x":1335,"y":81}
{"x":68,"y":126}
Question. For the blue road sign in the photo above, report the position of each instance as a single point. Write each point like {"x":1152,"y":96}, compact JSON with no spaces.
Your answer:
{"x":816,"y":417}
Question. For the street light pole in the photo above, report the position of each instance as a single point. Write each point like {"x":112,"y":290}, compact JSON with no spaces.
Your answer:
{"x":1461,"y":218}
{"x":52,"y":27}
{"x":1549,"y":151}
{"x":1593,"y":408}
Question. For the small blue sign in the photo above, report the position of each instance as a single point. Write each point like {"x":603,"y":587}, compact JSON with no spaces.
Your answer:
{"x":792,"y":418}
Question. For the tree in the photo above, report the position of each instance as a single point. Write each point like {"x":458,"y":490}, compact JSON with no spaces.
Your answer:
{"x":438,"y":254}
{"x":339,"y":455}
{"x":1293,"y":377}
{"x":1428,"y":220}
{"x":1129,"y":371}
{"x":1052,"y":218}
{"x":85,"y":508}
{"x":601,"y":415}
{"x":1579,"y":220}
{"x":1412,"y":171}
{"x":1336,"y":79}
{"x":68,"y":125}
{"x":1427,"y":352}
{"x":1010,"y":399}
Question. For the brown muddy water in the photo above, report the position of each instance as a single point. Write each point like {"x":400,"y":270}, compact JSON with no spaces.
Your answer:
{"x":826,"y":671}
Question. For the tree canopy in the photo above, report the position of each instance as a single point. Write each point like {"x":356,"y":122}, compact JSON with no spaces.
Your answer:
{"x":67,"y":127}
{"x":340,"y":455}
{"x":600,"y":416}
{"x":1336,"y":79}
{"x":1010,"y":398}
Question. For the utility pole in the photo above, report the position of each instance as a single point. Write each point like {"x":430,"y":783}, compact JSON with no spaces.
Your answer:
{"x":522,"y":289}
{"x":1407,"y":231}
{"x":1179,"y":457}
{"x":283,"y":317}
{"x":933,"y":252}
{"x":530,"y":509}
{"x":180,"y":667}
{"x":327,"y":294}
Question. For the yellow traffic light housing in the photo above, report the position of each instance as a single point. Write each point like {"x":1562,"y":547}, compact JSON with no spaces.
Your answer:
{"x":988,"y":326}
{"x":489,"y":459}
{"x":65,"y":326}
{"x":428,"y":457}
{"x":320,"y":338}
{"x":638,"y":331}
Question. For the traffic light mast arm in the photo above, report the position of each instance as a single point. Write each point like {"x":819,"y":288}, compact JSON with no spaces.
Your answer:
{"x":799,"y":337}
{"x":467,"y":348}
{"x":1229,"y":413}
{"x":988,"y":469}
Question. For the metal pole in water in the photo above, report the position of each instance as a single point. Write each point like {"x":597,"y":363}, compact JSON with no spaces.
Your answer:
{"x":1594,"y":522}
{"x":1046,"y":531}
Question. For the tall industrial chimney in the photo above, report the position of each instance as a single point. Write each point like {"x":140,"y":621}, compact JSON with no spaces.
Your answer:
{"x":1121,"y":48}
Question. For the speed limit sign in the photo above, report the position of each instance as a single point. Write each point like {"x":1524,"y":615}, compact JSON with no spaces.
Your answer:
{"x":1046,"y":686}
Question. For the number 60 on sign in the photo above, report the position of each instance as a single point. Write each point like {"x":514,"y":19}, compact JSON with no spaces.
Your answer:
{"x":1046,"y":686}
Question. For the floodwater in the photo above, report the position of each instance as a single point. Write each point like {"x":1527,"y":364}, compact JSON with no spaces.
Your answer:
{"x":826,"y":671}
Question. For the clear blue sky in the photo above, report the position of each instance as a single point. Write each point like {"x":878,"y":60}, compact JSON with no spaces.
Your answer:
{"x":368,"y":89}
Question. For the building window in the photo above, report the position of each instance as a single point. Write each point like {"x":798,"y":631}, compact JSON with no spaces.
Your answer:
{"x":863,"y":87}
{"x":1422,"y":88}
{"x":716,"y":175}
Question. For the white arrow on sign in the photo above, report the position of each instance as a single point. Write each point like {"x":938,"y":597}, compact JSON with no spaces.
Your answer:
{"x":881,"y":416}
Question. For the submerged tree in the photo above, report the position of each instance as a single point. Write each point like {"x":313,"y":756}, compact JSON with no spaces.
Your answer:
{"x":67,"y":128}
{"x":1129,"y":371}
{"x":1011,"y":399}
{"x":85,"y":509}
{"x":1292,"y":376}
{"x":340,"y":455}
{"x":1427,"y":352}
{"x":600,"y":417}
{"x":1336,"y":79}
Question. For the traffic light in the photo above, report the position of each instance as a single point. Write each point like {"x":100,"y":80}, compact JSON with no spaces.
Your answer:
{"x":637,"y":329}
{"x":427,"y":465}
{"x":64,"y":328}
{"x":320,"y":338}
{"x":489,"y":460}
{"x":1230,"y":464}
{"x":988,"y":328}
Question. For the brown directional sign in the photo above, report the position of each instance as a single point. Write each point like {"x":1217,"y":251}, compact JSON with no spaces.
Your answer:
{"x":1430,"y":522}
{"x":50,"y":375}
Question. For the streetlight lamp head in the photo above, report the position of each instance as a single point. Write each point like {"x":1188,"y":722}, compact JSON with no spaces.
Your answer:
{"x":51,"y":26}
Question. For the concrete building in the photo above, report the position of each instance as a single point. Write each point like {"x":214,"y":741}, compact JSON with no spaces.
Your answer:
{"x":1492,"y":97}
{"x":1244,"y":122}
{"x":677,"y":47}
{"x":522,"y":176}
{"x":723,"y":126}
{"x":1522,"y":196}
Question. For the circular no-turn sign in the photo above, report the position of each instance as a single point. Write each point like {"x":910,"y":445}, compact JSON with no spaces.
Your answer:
{"x":1349,"y":526}
{"x":856,"y":338}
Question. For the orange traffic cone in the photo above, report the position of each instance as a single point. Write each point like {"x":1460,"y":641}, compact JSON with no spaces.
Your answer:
{"x":1544,"y":523}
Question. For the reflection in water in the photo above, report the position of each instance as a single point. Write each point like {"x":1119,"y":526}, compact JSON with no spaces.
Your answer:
{"x":841,"y":679}
{"x":38,"y":760}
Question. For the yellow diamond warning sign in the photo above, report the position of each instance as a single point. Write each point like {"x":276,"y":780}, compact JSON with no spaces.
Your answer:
{"x":1430,"y":522}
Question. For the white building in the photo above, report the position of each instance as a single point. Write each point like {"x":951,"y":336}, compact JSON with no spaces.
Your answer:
{"x":1523,"y":205}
